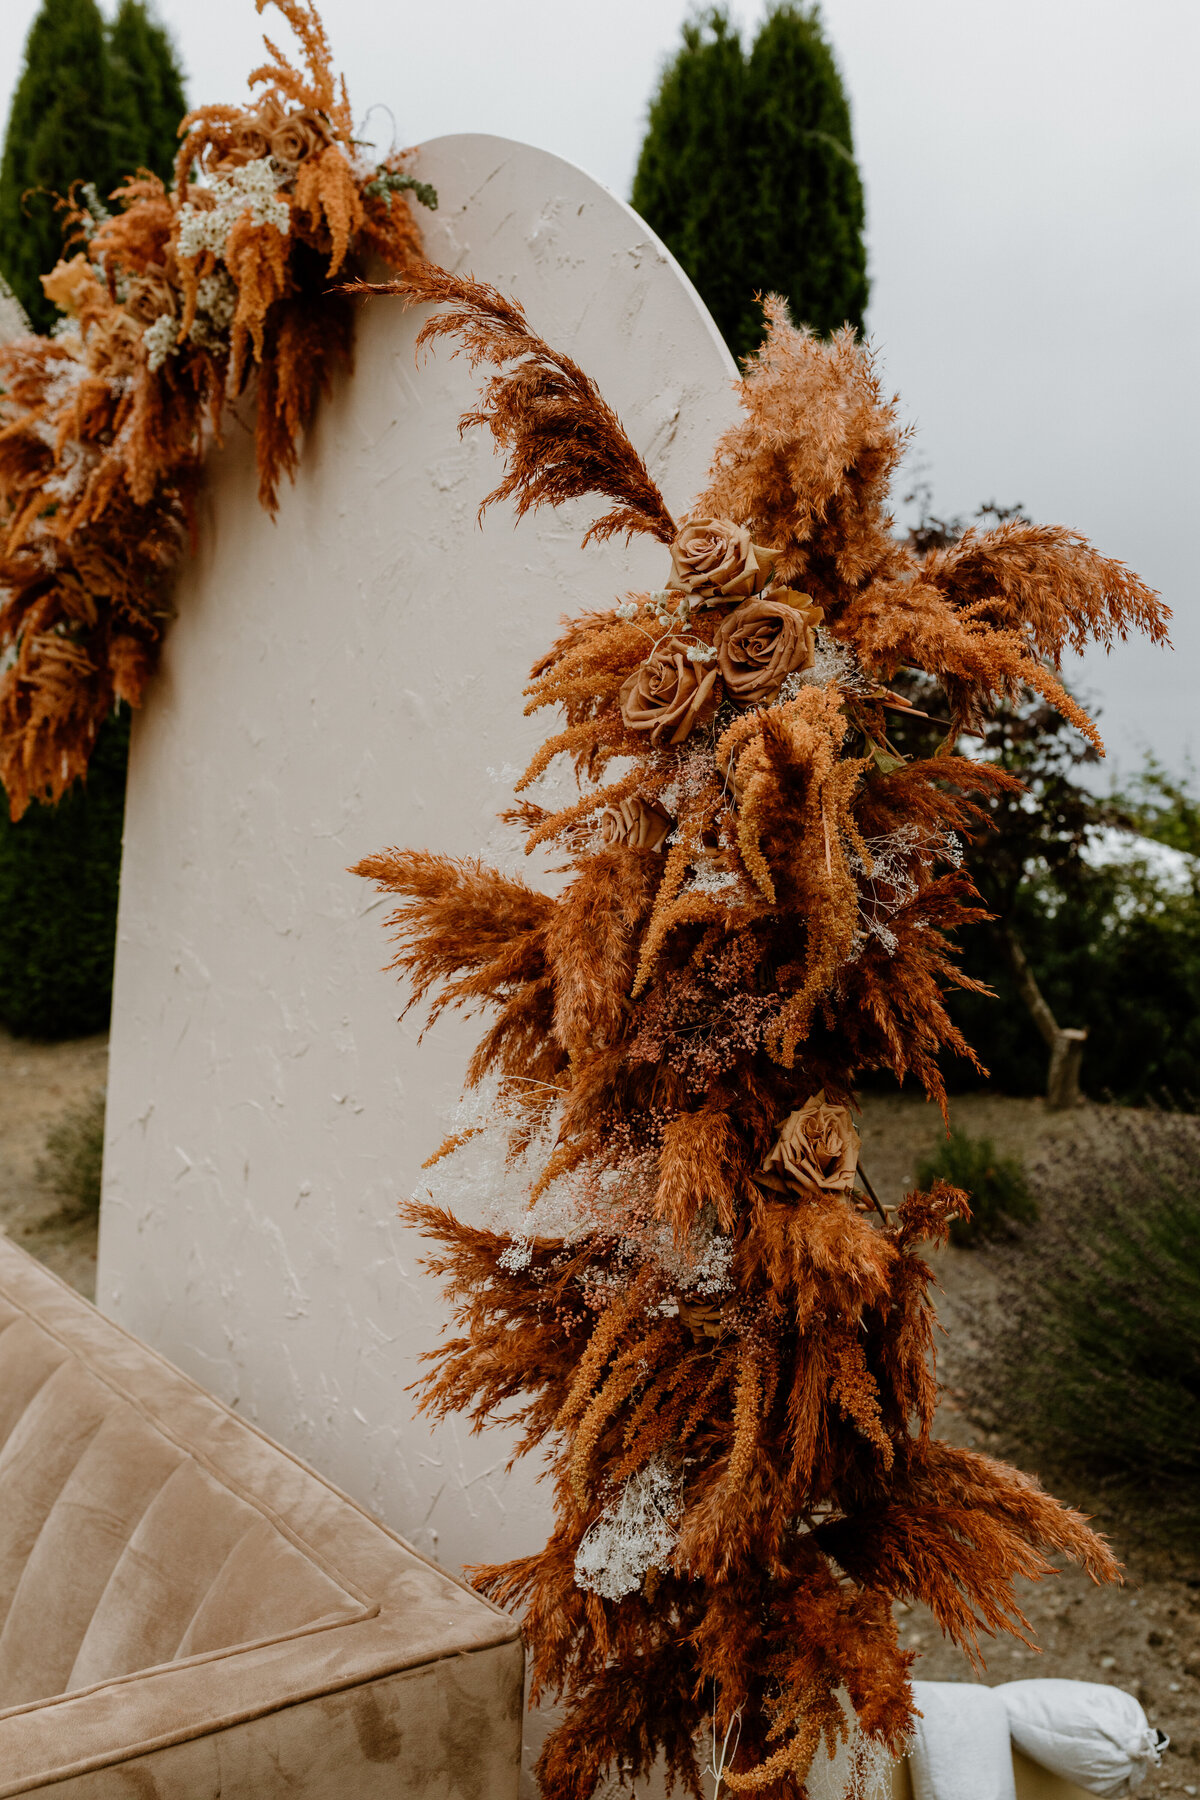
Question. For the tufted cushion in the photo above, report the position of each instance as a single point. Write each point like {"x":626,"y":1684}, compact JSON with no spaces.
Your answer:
{"x":183,"y":1600}
{"x":116,"y":1534}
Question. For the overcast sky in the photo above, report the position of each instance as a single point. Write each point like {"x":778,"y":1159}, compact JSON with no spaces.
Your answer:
{"x":1033,"y":177}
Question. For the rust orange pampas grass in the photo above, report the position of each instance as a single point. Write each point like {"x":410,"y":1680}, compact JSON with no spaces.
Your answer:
{"x":171,"y":307}
{"x":696,"y":1309}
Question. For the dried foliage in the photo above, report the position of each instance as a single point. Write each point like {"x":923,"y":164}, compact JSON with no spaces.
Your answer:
{"x":720,"y":1341}
{"x":172,"y":306}
{"x":561,"y":437}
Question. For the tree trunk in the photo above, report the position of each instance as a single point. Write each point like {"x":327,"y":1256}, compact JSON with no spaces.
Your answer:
{"x":1065,"y":1043}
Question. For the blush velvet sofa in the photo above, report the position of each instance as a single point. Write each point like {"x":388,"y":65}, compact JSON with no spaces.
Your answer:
{"x":187,"y":1611}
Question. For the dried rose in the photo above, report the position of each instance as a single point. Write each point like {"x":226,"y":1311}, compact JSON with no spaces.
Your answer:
{"x":668,"y":693}
{"x":816,"y":1151}
{"x":705,"y":1319}
{"x":763,"y":641}
{"x":152,"y":295}
{"x":635,"y":824}
{"x":301,"y":135}
{"x":250,"y":136}
{"x":716,"y":557}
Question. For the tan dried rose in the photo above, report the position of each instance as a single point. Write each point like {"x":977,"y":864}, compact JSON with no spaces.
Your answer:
{"x":816,"y":1151}
{"x":635,"y":824}
{"x":716,"y":557}
{"x":302,"y":134}
{"x":705,"y":1319}
{"x":249,"y":141}
{"x":765,"y":640}
{"x":248,"y":138}
{"x":70,"y":283}
{"x":668,"y":693}
{"x":152,"y":295}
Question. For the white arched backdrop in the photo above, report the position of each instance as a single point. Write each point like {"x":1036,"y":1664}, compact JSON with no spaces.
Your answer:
{"x":347,"y":677}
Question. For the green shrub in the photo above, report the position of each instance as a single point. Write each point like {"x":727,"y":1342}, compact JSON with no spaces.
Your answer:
{"x":70,"y":1166}
{"x":1093,"y":1360}
{"x":1121,"y":956}
{"x":60,"y":871}
{"x":996,"y":1185}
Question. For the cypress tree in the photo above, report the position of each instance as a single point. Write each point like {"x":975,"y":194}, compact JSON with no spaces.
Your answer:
{"x":147,"y":97}
{"x":58,"y":132}
{"x":90,"y":105}
{"x":688,"y":185}
{"x":60,"y":870}
{"x":808,"y":197}
{"x":747,"y":173}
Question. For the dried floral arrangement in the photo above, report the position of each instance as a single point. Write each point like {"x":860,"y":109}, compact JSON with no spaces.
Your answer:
{"x":171,"y":306}
{"x":687,"y":1294}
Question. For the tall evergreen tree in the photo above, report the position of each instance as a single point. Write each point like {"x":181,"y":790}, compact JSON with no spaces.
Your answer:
{"x":808,"y":198}
{"x":147,"y":97}
{"x":91,"y":105}
{"x":747,"y":173}
{"x":58,"y":132}
{"x":60,"y":872}
{"x":688,"y":185}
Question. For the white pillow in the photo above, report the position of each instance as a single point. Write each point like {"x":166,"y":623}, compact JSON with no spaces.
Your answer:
{"x":960,"y":1748}
{"x":1096,"y":1736}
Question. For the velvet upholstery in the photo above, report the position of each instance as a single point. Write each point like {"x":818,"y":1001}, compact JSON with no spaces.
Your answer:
{"x":186,"y":1609}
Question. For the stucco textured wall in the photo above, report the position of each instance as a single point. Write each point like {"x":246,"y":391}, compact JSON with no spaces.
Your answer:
{"x":342,"y":679}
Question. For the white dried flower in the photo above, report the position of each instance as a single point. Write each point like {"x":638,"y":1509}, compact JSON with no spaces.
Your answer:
{"x":484,"y":1181}
{"x":635,"y":1534}
{"x":888,"y":877}
{"x":702,"y":1264}
{"x":832,"y":661}
{"x":216,"y":297}
{"x":75,"y":463}
{"x":161,"y":340}
{"x":628,"y":609}
{"x":712,"y":878}
{"x":216,"y":304}
{"x":253,"y":188}
{"x":702,"y":653}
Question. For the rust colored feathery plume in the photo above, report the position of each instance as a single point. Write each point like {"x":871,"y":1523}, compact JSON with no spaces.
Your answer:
{"x":172,"y":306}
{"x":687,"y":1298}
{"x":561,"y":438}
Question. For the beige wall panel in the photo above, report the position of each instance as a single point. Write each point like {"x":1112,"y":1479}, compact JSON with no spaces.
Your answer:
{"x":346,"y":677}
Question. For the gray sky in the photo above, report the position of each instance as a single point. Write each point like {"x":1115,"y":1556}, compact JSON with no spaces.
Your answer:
{"x":1032,"y":175}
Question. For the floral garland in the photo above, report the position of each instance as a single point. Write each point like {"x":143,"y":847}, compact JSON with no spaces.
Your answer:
{"x":171,"y":307}
{"x":688,"y":1295}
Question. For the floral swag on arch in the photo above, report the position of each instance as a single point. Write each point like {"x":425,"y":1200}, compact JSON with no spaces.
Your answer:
{"x":173,"y":306}
{"x":687,"y":1295}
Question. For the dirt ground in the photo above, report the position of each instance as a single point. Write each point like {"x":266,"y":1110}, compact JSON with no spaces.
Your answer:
{"x":1144,"y":1636}
{"x":39,"y":1083}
